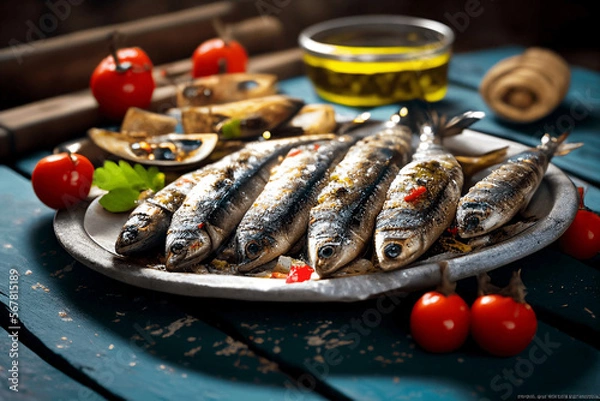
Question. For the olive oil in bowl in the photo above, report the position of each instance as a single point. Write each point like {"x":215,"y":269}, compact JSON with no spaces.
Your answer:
{"x":377,"y":60}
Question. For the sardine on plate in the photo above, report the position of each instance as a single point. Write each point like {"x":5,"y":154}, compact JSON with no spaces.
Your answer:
{"x":224,"y":88}
{"x":341,"y":223}
{"x":214,"y":207}
{"x":421,"y":201}
{"x":496,"y":199}
{"x":242,"y":119}
{"x":279,"y":216}
{"x":147,"y":224}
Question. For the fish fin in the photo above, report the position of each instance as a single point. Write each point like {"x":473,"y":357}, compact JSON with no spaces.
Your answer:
{"x":566,"y":148}
{"x":458,"y":123}
{"x":473,"y":164}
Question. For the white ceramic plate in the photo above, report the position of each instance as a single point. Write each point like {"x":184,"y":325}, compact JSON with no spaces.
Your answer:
{"x":88,"y":233}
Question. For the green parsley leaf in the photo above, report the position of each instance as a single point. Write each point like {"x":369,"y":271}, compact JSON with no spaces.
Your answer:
{"x":120,"y":200}
{"x":125,"y":183}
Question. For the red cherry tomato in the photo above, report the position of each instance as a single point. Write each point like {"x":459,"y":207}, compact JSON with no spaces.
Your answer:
{"x":501,"y":325}
{"x":440,"y":323}
{"x":130,"y":85}
{"x":210,"y":55}
{"x":62,"y":180}
{"x":582,"y":238}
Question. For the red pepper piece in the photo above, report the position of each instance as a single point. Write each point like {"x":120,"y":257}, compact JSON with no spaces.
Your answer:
{"x":415,"y":193}
{"x":299,"y":273}
{"x":294,"y":152}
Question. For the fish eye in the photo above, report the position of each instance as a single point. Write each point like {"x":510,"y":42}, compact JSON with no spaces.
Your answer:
{"x":393,"y":250}
{"x":130,"y":234}
{"x":471,"y":222}
{"x":252,"y":249}
{"x":177,"y":247}
{"x":327,"y":251}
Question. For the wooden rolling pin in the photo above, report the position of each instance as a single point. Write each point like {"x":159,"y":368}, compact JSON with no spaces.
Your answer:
{"x":526,"y":87}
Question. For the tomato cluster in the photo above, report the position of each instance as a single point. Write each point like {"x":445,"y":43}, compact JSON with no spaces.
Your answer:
{"x":502,"y":324}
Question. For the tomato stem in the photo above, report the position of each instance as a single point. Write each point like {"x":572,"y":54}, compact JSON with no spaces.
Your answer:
{"x":484,"y":285}
{"x":222,"y":31}
{"x":112,"y":47}
{"x":515,"y":288}
{"x":446,"y":286}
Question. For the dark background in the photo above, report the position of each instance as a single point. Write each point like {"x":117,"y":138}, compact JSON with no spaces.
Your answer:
{"x":568,"y":27}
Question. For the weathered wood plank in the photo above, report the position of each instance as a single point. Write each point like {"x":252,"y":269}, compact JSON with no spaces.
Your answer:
{"x":70,"y":59}
{"x":134,"y":343}
{"x":35,"y":379}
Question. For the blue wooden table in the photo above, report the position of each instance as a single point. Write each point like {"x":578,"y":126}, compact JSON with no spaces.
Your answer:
{"x":82,"y":336}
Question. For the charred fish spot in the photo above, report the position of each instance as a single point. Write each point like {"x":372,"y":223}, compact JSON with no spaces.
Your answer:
{"x":326,"y":251}
{"x":341,"y":191}
{"x":482,"y":206}
{"x":253,"y":249}
{"x":392,"y":250}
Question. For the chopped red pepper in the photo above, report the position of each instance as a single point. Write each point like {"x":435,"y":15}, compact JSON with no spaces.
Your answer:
{"x":299,"y":273}
{"x":294,"y":152}
{"x":200,"y":226}
{"x":415,"y":193}
{"x":452,"y":230}
{"x":278,"y":275}
{"x":316,"y":146}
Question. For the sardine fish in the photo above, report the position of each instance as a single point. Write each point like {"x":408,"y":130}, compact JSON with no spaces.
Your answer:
{"x":421,"y":201}
{"x":341,"y":223}
{"x":216,"y":205}
{"x":508,"y":189}
{"x":279,"y":216}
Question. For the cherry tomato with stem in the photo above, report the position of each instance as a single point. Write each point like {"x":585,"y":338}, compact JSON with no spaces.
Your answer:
{"x":582,"y":239}
{"x":62,"y":180}
{"x":440,"y":320}
{"x":503,"y":324}
{"x":216,"y":56}
{"x":123,"y":80}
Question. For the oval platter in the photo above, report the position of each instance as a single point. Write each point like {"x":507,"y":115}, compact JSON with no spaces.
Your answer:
{"x":88,"y":233}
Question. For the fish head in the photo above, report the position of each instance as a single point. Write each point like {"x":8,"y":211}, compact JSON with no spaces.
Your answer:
{"x":328,"y":255}
{"x":142,"y":231}
{"x":398,"y":250}
{"x":254,"y":250}
{"x":474,"y":218}
{"x":184,"y":251}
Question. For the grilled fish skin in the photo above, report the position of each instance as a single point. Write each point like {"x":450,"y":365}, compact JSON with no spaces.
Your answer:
{"x":421,"y":201}
{"x":279,"y":216}
{"x":507,"y":190}
{"x":341,"y":223}
{"x":214,"y":207}
{"x":147,"y":224}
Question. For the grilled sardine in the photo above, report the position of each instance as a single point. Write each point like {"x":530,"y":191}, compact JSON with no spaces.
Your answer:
{"x":421,"y":201}
{"x":279,"y":216}
{"x":497,"y":198}
{"x":341,"y":223}
{"x":214,"y":207}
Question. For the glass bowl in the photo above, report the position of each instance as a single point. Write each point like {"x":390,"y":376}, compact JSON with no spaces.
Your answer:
{"x":378,"y":59}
